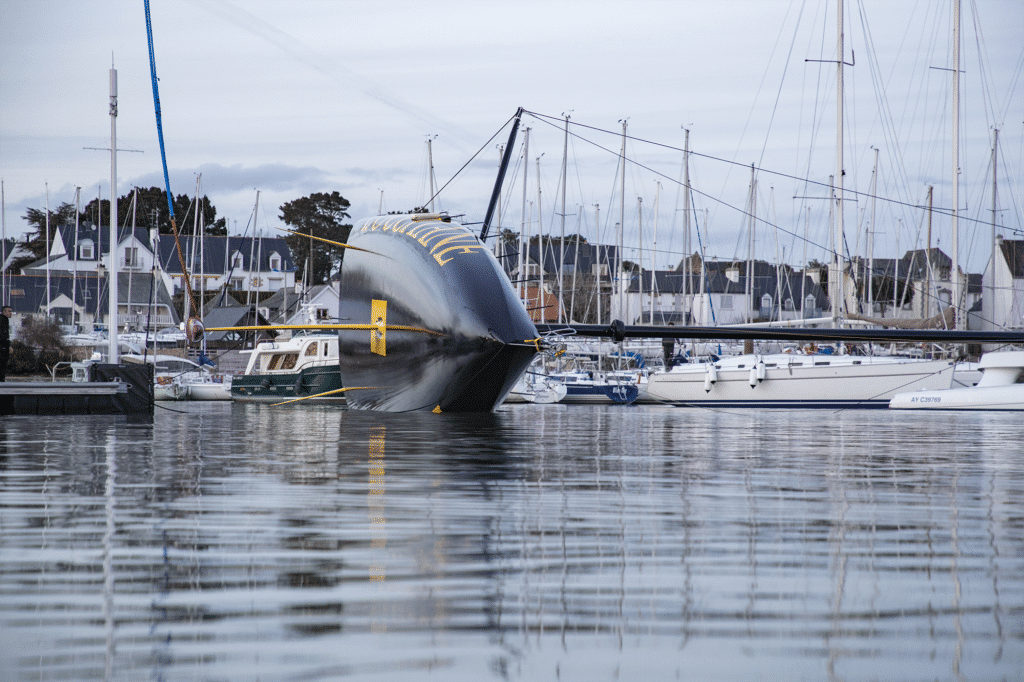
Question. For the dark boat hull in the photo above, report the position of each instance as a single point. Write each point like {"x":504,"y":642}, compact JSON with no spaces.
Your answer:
{"x":453,"y":335}
{"x":274,"y":388}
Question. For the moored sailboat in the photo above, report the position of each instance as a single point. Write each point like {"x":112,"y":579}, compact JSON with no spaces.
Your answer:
{"x":1001,"y":387}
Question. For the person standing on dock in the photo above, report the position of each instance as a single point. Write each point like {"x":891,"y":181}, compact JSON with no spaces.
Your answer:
{"x":5,"y":340}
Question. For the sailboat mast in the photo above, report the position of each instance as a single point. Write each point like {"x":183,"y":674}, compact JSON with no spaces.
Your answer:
{"x":192,"y":249}
{"x":622,"y":223}
{"x":112,"y":356}
{"x":955,"y":247}
{"x":4,"y":277}
{"x":686,"y":222}
{"x":871,"y":239}
{"x":836,"y":282}
{"x":540,"y":246}
{"x":597,"y":257}
{"x":74,"y":261}
{"x":750,"y":246}
{"x":523,"y":245}
{"x":561,"y":257}
{"x":654,"y":250}
{"x":992,"y":271}
{"x":47,"y":226}
{"x":430,"y":171}
{"x":926,"y":307}
{"x":640,"y":243}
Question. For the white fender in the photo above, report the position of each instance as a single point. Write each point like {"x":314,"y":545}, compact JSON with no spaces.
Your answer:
{"x":761,"y":371}
{"x":753,"y":376}
{"x":710,"y":378}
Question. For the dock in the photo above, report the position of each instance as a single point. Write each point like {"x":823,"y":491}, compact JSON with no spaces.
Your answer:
{"x":125,"y":390}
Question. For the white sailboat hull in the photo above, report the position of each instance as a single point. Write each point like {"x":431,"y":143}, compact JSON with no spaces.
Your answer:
{"x":994,"y":398}
{"x":998,"y":388}
{"x":798,"y":381}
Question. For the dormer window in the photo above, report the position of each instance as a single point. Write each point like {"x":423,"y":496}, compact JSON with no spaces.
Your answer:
{"x":85,"y":250}
{"x":236,"y":260}
{"x":275,"y":261}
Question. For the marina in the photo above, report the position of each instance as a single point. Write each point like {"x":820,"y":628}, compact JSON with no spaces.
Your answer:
{"x":498,"y":428}
{"x":240,"y":541}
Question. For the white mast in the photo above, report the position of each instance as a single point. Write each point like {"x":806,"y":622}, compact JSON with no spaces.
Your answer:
{"x":640,"y":243}
{"x":252,"y":248}
{"x":112,"y":351}
{"x":957,"y":294}
{"x":621,"y":226}
{"x":540,"y":245}
{"x":571,"y":313}
{"x":523,"y":245}
{"x":686,"y":227}
{"x":597,"y":257}
{"x":871,"y":238}
{"x":561,"y":257}
{"x":46,"y":226}
{"x":74,"y":261}
{"x":430,"y":171}
{"x":989,"y":305}
{"x":750,"y":246}
{"x":836,"y":281}
{"x":654,"y":250}
{"x":3,"y":240}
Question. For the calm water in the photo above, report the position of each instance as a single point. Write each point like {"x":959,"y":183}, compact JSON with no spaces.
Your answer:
{"x":248,"y":542}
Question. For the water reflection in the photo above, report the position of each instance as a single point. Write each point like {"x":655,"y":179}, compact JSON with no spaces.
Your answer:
{"x":246,"y":542}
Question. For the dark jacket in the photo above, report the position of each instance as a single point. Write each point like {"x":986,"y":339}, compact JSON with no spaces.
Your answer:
{"x":5,"y":331}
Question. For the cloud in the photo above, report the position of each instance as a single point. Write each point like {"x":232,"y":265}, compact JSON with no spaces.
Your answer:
{"x":334,"y":70}
{"x":278,"y":177}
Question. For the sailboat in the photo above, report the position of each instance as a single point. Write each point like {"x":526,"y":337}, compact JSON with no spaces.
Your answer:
{"x":788,"y":380}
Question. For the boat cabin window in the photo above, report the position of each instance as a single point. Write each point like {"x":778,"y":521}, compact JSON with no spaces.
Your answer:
{"x":282,"y":361}
{"x":311,"y":349}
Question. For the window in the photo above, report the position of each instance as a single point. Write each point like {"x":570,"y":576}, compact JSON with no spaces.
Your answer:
{"x":131,"y":257}
{"x":85,"y":250}
{"x":311,"y":349}
{"x":322,"y":314}
{"x":275,"y":261}
{"x":726,"y":303}
{"x":788,"y":305}
{"x":236,"y":282}
{"x":236,"y":260}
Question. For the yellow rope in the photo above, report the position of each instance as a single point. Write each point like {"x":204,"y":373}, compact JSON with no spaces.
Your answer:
{"x":327,"y":327}
{"x":320,"y":395}
{"x":328,"y":241}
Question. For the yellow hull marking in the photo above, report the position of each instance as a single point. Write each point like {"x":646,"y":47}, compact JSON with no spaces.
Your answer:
{"x":378,"y":317}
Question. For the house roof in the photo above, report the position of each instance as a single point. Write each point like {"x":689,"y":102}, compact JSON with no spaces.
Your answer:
{"x":1013,"y":252}
{"x":28,"y":292}
{"x":232,"y":316}
{"x":766,"y":281}
{"x":213,"y":255}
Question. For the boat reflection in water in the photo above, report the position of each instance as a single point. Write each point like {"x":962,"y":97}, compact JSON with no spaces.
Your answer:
{"x":241,"y":541}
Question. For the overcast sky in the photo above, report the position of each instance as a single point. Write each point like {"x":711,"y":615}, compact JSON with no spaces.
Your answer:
{"x":289,"y":98}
